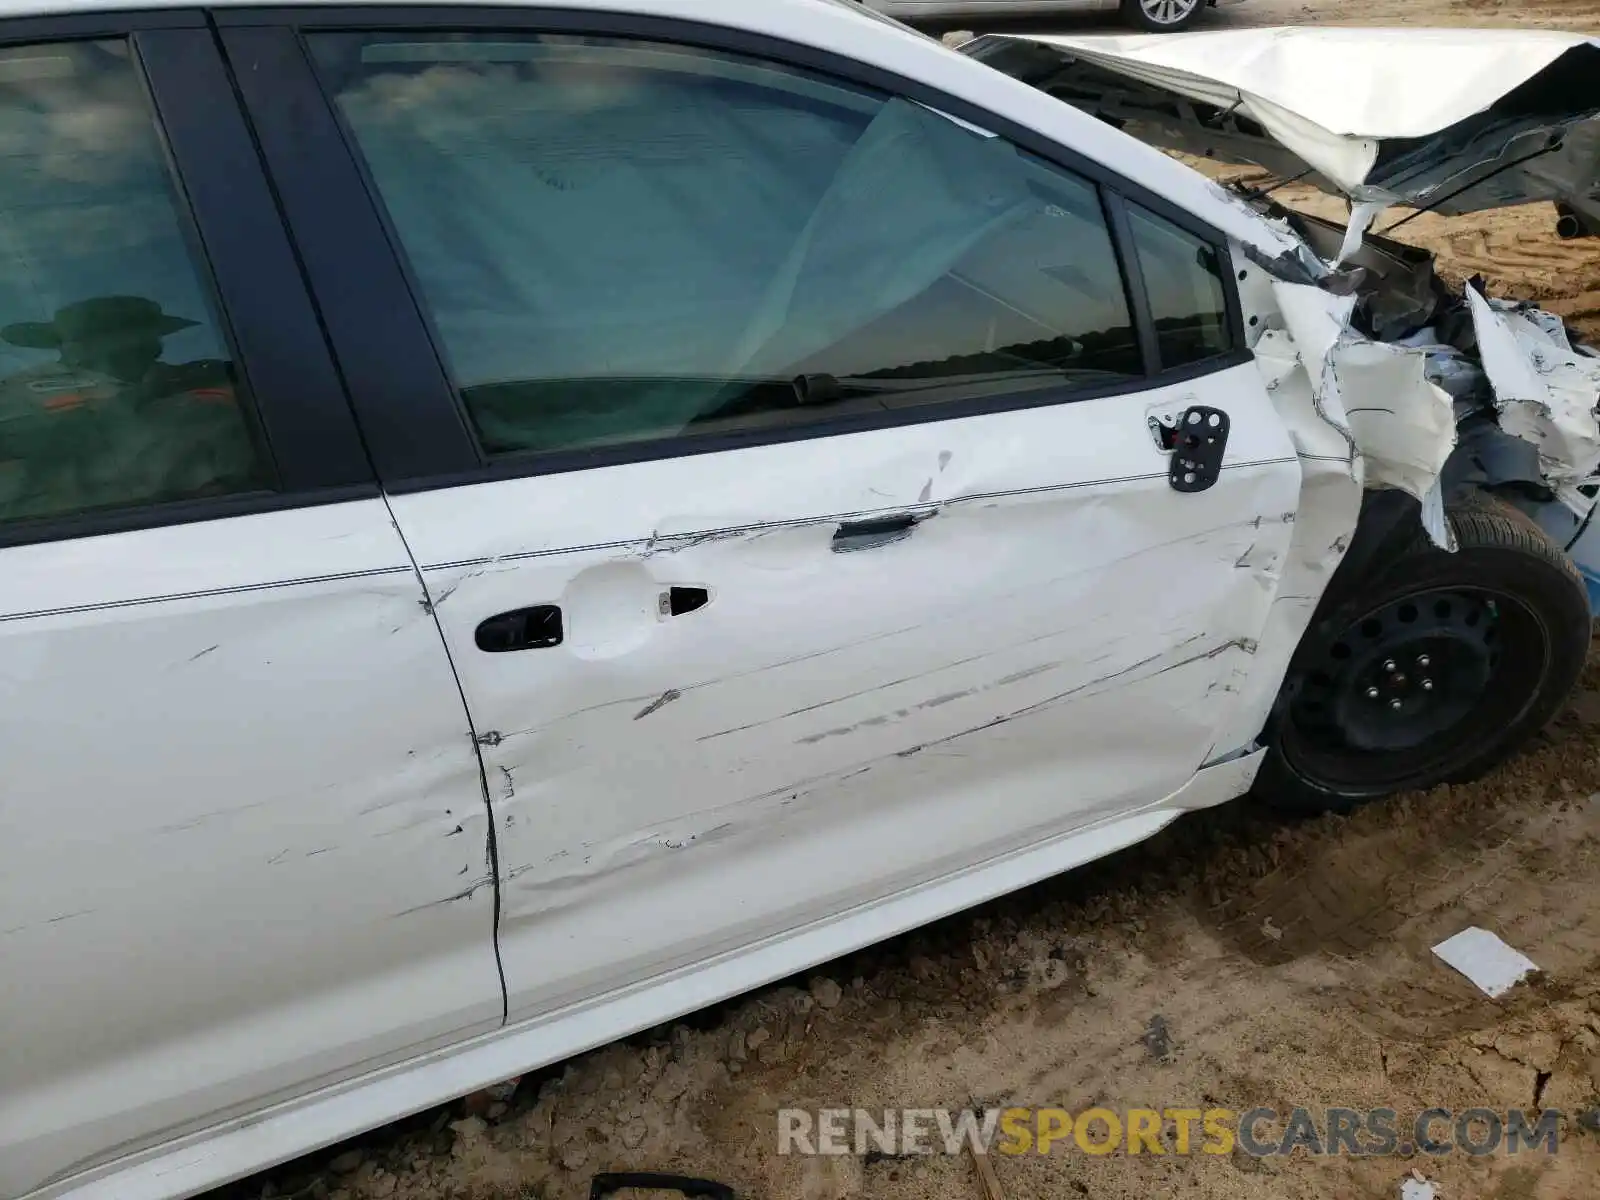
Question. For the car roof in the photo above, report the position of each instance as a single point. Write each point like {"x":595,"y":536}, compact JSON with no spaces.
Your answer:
{"x":719,"y":11}
{"x":851,"y":31}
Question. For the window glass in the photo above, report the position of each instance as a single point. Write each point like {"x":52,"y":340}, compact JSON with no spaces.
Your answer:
{"x":116,"y":387}
{"x":620,"y":240}
{"x":1183,"y":278}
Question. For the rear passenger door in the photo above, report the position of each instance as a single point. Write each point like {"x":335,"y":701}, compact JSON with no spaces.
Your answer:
{"x":242,"y":832}
{"x":781,"y":450}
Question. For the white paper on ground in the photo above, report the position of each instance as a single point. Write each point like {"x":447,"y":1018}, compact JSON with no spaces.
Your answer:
{"x":1486,"y":960}
{"x":1417,"y":1189}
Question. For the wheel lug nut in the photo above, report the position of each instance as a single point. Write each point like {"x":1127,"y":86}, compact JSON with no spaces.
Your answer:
{"x":1389,"y":665}
{"x":1422,"y":660}
{"x":1427,"y":685}
{"x":1394,"y":704}
{"x":1372,"y":693}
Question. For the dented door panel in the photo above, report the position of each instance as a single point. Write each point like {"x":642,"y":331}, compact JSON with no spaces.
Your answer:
{"x":245,"y":836}
{"x":1054,"y":641}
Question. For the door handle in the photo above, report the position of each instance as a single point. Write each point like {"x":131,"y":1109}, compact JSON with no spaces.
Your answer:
{"x":532,"y":628}
{"x":872,"y":532}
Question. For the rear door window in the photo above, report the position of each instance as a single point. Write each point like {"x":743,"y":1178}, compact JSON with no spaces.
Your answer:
{"x":117,"y":385}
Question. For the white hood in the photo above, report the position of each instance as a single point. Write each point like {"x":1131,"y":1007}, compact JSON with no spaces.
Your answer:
{"x":1385,"y":115}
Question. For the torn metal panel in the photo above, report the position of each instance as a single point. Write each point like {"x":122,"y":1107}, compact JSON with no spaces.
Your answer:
{"x":1457,"y":119}
{"x":1394,"y":427}
{"x":1418,"y":414}
{"x":1544,"y":390}
{"x":1361,"y":217}
{"x":1396,"y":287}
{"x":1306,"y":397}
{"x":1403,"y":424}
{"x":1510,"y":373}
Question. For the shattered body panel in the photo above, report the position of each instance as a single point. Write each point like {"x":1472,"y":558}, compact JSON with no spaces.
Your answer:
{"x":1437,"y":390}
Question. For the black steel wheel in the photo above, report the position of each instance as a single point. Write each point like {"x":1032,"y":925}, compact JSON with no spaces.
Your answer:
{"x":1442,"y":666}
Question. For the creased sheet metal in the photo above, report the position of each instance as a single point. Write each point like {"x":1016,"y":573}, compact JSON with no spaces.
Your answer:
{"x":1398,"y":427}
{"x":1544,"y":390}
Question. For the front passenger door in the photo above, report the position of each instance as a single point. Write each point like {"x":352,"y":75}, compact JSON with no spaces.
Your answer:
{"x":809,"y":540}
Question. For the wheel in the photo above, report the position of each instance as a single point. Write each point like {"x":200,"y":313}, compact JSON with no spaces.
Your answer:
{"x":1161,"y":16}
{"x":1436,"y":671}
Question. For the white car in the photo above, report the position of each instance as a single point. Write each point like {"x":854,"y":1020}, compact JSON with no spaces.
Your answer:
{"x":518,"y":522}
{"x":1148,"y":16}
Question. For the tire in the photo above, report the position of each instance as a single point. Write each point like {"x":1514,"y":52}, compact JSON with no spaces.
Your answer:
{"x":1162,"y":16}
{"x":1439,"y":668}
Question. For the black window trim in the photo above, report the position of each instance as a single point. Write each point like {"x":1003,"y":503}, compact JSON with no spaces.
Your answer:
{"x":105,"y":23}
{"x":246,"y":268}
{"x":1118,"y":206}
{"x":1133,"y":276}
{"x":417,"y":427}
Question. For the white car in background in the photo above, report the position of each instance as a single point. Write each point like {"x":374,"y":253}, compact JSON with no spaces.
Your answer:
{"x":1148,"y":16}
{"x":518,"y":522}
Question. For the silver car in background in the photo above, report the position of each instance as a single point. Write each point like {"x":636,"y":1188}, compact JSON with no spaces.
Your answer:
{"x":1151,"y":16}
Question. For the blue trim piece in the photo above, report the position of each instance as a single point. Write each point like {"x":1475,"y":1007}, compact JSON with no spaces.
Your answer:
{"x":1591,"y":582}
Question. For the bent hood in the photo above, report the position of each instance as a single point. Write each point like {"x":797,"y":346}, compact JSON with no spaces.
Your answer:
{"x":1458,"y":120}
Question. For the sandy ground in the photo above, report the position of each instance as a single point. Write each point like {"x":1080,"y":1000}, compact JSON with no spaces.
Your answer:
{"x":1232,"y":962}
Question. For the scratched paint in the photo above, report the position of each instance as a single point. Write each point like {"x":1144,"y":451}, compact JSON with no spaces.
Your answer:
{"x":832,"y":728}
{"x":230,"y":820}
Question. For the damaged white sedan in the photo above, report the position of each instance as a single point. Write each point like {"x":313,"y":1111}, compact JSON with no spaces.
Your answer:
{"x":523,"y":521}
